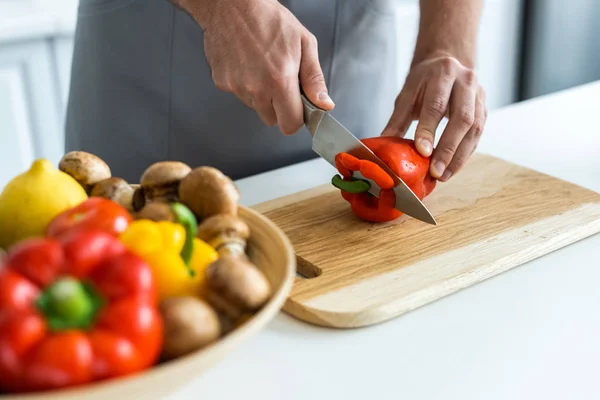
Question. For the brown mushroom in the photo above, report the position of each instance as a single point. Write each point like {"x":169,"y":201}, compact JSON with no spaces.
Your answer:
{"x":235,"y":286}
{"x":207,"y":192}
{"x":160,"y":181}
{"x":189,"y":324}
{"x":225,"y":232}
{"x":115,"y":189}
{"x":139,"y":198}
{"x":157,"y":212}
{"x":85,"y":168}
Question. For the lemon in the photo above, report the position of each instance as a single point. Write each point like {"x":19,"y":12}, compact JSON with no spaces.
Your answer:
{"x":32,"y":199}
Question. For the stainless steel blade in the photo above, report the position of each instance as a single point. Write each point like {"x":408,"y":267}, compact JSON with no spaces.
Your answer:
{"x":330,"y":138}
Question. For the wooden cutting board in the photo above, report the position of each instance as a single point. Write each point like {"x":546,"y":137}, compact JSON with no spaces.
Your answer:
{"x":492,"y":216}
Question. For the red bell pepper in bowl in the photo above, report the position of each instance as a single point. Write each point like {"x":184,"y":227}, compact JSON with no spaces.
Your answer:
{"x":96,"y":213}
{"x":74,"y":309}
{"x":402,"y":157}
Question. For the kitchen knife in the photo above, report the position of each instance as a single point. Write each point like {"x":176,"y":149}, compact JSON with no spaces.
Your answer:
{"x":329,"y":138}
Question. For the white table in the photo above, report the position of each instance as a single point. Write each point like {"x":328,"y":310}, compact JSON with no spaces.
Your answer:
{"x":530,"y":333}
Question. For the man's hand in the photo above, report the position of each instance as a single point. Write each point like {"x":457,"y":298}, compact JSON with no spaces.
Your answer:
{"x":435,"y":88}
{"x":259,"y":51}
{"x":442,"y":83}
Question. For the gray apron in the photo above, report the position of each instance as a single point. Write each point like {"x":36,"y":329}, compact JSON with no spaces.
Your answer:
{"x":141,"y":89}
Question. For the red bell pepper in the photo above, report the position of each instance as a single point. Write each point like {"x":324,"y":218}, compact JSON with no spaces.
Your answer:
{"x":97,"y":213}
{"x":75,"y":309}
{"x":402,"y":157}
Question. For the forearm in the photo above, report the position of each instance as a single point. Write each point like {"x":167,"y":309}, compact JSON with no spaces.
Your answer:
{"x":448,"y":27}
{"x":201,"y":10}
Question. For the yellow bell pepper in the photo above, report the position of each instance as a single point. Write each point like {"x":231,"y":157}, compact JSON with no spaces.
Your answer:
{"x":160,"y":244}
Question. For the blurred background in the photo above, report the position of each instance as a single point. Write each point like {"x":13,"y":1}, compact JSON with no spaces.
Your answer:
{"x":527,"y":48}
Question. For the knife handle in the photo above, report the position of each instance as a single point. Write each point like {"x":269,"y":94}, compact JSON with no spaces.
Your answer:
{"x":313,"y":115}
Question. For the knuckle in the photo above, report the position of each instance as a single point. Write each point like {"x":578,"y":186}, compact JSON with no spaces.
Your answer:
{"x":221,"y":85}
{"x":220,"y":82}
{"x":269,"y":120}
{"x":291,"y":127}
{"x":458,"y":161}
{"x":448,"y":64}
{"x":235,"y":87}
{"x":312,"y":40}
{"x":436,"y":107}
{"x":470,"y":77}
{"x":481,"y":93}
{"x":314,"y":76}
{"x":256,"y":91}
{"x":281,"y":74}
{"x":444,"y":153}
{"x":467,"y":117}
{"x":477,"y":129}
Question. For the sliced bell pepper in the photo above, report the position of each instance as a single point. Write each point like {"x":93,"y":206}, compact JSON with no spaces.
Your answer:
{"x":402,"y":157}
{"x":96,"y":213}
{"x":75,"y":309}
{"x":160,"y":244}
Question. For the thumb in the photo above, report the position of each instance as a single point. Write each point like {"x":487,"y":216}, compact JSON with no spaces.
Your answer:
{"x":311,"y":75}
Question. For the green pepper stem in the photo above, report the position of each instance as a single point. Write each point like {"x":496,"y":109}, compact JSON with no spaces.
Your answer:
{"x":186,"y":217}
{"x":69,"y":304}
{"x":350,"y":186}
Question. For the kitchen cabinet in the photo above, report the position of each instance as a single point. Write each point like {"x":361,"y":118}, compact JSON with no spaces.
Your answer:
{"x":63,"y":50}
{"x":16,"y":144}
{"x":29,"y":107}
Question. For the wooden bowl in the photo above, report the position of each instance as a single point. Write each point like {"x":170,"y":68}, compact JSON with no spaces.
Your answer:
{"x":272,"y":252}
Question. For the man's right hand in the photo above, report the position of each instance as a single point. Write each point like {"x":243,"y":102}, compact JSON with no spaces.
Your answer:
{"x":259,"y":51}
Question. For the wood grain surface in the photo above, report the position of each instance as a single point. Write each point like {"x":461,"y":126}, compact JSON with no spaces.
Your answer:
{"x":492,"y":216}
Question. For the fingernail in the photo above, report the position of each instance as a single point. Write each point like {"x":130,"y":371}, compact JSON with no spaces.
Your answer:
{"x":426,"y":147}
{"x":437,"y":169}
{"x":323,"y":96}
{"x":447,"y":175}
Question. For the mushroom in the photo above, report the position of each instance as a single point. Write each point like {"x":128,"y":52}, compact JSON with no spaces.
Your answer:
{"x":235,"y":286}
{"x":85,"y":168}
{"x":225,"y":232}
{"x":157,"y":212}
{"x":139,"y":198}
{"x":189,"y":324}
{"x":115,"y":189}
{"x":207,"y":192}
{"x":160,"y":181}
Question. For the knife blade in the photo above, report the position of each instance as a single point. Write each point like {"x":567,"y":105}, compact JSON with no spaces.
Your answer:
{"x":330,"y":137}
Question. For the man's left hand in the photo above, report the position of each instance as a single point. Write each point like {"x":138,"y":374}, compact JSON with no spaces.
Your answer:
{"x":436,"y":88}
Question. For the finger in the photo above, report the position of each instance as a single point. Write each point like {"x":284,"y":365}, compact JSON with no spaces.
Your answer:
{"x":265,"y":111}
{"x":287,"y":104}
{"x":402,"y":115}
{"x":462,"y":116}
{"x":469,"y":143}
{"x":435,"y":102}
{"x":311,"y":74}
{"x":238,"y":89}
{"x":244,"y":98}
